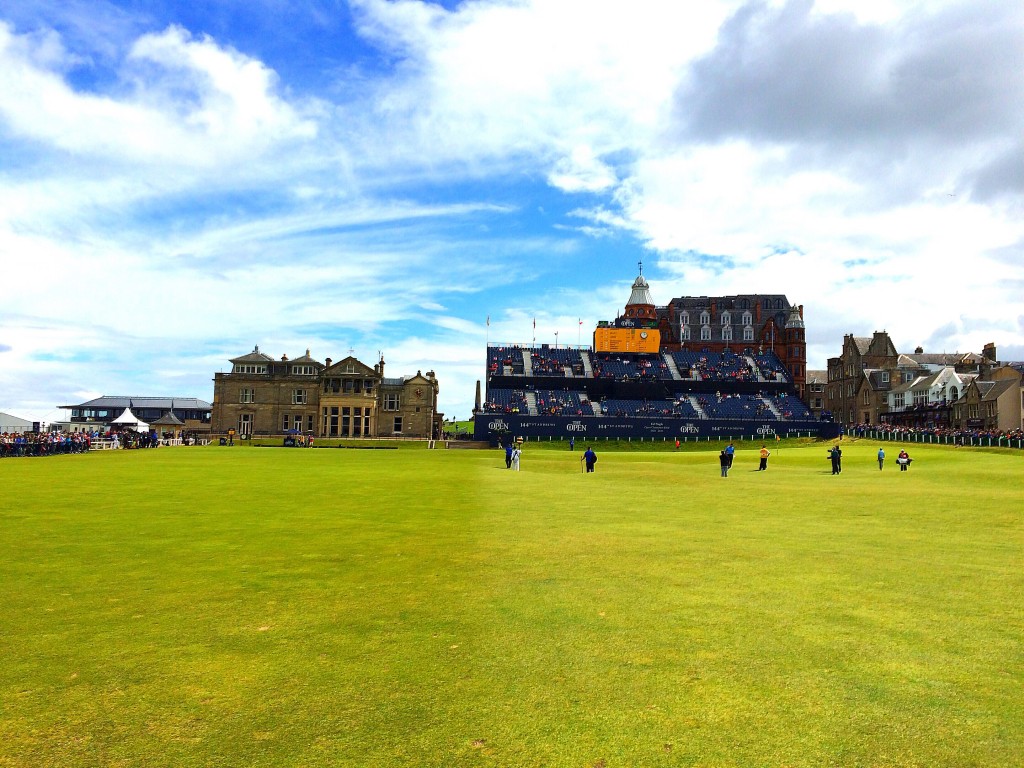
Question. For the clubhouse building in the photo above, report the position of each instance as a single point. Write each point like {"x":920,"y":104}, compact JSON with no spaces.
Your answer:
{"x":263,"y":396}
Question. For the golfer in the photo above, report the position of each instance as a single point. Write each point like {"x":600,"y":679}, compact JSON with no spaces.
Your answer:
{"x":765,"y":453}
{"x":516,"y":453}
{"x":589,"y":458}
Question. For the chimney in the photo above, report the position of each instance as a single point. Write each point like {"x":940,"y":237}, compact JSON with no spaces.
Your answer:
{"x":327,"y":363}
{"x":989,"y":352}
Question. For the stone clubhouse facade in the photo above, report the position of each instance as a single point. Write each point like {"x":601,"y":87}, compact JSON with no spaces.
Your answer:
{"x":263,"y":396}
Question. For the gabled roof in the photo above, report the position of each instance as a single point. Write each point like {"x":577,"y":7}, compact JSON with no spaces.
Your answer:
{"x":254,"y":357}
{"x":863,"y":344}
{"x":305,"y":359}
{"x":361,"y":368}
{"x":169,"y":419}
{"x":997,"y":389}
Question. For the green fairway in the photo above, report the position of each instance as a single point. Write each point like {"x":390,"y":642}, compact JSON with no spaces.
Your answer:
{"x":288,"y":607}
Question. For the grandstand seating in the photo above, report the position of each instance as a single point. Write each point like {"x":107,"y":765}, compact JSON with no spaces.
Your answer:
{"x":553,"y":362}
{"x":562,"y":403}
{"x":501,"y":358}
{"x":771,"y":368}
{"x":678,"y":408}
{"x":735,"y":407}
{"x":713,"y":366}
{"x":791,"y":407}
{"x":611,"y":366}
{"x":506,"y":401}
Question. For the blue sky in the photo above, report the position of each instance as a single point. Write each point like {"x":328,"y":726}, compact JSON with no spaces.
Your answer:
{"x":181,"y":181}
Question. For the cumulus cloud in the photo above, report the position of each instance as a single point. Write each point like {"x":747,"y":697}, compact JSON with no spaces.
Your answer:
{"x":185,"y":102}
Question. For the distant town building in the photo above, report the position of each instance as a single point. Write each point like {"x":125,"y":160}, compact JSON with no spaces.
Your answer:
{"x":264,"y":396}
{"x":163,"y":414}
{"x":871,"y":382}
{"x":13,"y":425}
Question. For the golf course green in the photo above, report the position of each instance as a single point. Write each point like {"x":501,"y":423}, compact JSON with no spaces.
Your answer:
{"x":246,"y":606}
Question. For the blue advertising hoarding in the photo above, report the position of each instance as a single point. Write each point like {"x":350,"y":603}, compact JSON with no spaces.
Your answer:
{"x":495,"y":427}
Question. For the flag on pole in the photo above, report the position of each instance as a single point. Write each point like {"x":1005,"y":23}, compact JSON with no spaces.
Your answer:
{"x":488,"y":321}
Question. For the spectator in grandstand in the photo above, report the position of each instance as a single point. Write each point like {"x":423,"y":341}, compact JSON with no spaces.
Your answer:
{"x":516,"y":454}
{"x":508,"y":455}
{"x":836,"y":455}
{"x":590,"y":458}
{"x":765,"y":453}
{"x":726,"y":462}
{"x":903,"y":460}
{"x":881,"y":458}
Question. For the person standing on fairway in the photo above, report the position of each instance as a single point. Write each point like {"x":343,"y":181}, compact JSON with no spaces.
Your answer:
{"x":881,"y":458}
{"x":589,"y":458}
{"x":730,"y":451}
{"x":508,"y":455}
{"x":572,"y":443}
{"x":725,"y":460}
{"x":765,"y":453}
{"x":836,"y":455}
{"x":516,"y":453}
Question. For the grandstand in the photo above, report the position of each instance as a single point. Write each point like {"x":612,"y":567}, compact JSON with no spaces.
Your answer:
{"x":622,"y":387}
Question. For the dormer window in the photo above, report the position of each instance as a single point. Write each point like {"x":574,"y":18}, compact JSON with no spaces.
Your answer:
{"x":684,"y":318}
{"x":747,"y":319}
{"x":727,"y":333}
{"x":726,"y":318}
{"x":705,"y":318}
{"x":705,"y":333}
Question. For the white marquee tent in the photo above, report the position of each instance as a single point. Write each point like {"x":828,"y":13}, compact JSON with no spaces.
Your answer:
{"x":128,"y":419}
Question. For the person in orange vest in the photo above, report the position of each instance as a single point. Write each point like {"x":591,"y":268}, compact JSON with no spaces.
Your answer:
{"x":765,"y":453}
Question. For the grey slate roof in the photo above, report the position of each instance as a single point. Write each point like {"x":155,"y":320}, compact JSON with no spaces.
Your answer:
{"x":117,"y":402}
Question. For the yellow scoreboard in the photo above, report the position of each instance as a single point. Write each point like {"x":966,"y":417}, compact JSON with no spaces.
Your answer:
{"x":627,"y":340}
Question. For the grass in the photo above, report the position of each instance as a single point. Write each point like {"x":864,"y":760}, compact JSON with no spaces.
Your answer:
{"x":235,"y":607}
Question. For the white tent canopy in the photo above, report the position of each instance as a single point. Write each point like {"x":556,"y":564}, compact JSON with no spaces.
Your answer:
{"x":128,"y":419}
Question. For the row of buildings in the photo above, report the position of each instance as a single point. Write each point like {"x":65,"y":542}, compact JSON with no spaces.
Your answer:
{"x":872,"y":383}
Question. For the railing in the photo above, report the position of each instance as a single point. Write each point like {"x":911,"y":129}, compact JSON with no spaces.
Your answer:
{"x":927,"y":438}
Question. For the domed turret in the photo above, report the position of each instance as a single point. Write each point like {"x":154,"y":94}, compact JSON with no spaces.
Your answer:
{"x":640,"y":303}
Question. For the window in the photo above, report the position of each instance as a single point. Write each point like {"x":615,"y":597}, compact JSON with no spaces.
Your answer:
{"x":303,"y":370}
{"x":748,"y":334}
{"x":298,"y":397}
{"x":705,"y":318}
{"x":705,"y":333}
{"x":726,"y":333}
{"x":245,"y":423}
{"x":249,"y":369}
{"x":885,"y":377}
{"x":246,"y":395}
{"x":684,"y":318}
{"x":867,"y":397}
{"x":747,"y":319}
{"x":398,"y":424}
{"x":392,"y":401}
{"x":726,"y":318}
{"x":309,"y":423}
{"x":686,"y":333}
{"x":284,"y":423}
